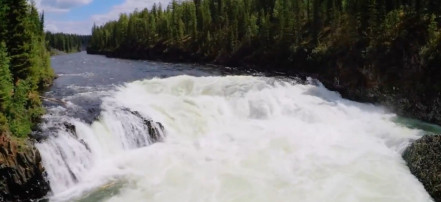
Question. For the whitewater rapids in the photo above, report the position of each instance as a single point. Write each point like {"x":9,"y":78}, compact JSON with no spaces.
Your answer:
{"x":235,"y":139}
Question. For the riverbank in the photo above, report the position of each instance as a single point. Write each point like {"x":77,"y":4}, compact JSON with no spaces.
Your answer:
{"x":398,"y":78}
{"x":377,"y":52}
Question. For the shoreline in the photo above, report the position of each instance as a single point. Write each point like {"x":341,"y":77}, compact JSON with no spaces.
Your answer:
{"x":396,"y":101}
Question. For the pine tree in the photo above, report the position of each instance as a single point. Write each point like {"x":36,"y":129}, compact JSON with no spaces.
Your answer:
{"x":42,"y":22}
{"x":18,"y":38}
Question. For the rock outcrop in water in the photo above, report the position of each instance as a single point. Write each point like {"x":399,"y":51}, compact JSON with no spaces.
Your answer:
{"x":423,"y":158}
{"x":156,"y":129}
{"x":22,"y":177}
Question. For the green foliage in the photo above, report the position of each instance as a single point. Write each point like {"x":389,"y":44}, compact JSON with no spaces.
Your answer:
{"x":20,"y":121}
{"x":213,"y":27}
{"x":67,"y":42}
{"x":4,"y":124}
{"x":6,"y":88}
{"x":3,"y":27}
{"x":24,"y":66}
{"x":283,"y":30}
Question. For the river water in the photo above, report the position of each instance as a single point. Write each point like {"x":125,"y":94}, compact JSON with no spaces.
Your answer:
{"x":126,"y":130}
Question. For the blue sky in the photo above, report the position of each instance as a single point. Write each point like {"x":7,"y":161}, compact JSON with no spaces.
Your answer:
{"x":78,"y":16}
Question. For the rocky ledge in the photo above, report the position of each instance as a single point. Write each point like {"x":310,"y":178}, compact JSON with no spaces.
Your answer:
{"x":423,"y":158}
{"x":22,"y":177}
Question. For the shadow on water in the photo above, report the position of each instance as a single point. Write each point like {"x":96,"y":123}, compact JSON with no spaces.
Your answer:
{"x":430,"y":129}
{"x":332,"y":97}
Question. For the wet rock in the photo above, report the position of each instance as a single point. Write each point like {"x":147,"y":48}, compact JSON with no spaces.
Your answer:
{"x":71,"y":129}
{"x":156,"y":129}
{"x":423,"y":158}
{"x":22,"y":177}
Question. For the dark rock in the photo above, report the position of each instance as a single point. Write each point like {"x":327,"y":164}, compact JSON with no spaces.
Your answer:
{"x":423,"y":158}
{"x":22,"y":177}
{"x":38,"y":135}
{"x":71,"y":129}
{"x":156,"y":129}
{"x":155,"y":132}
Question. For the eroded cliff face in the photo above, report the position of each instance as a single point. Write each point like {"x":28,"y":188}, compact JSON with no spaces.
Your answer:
{"x":22,"y":177}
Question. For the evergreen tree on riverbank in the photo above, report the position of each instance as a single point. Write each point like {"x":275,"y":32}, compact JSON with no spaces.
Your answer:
{"x":67,"y":42}
{"x":24,"y":66}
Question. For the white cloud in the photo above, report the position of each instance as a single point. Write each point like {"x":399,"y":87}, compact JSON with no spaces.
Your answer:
{"x":59,"y":6}
{"x":127,"y":7}
{"x":85,"y":27}
{"x":65,"y":4}
{"x":72,"y":27}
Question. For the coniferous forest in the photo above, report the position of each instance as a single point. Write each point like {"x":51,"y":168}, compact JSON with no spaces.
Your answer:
{"x":67,"y":43}
{"x":24,"y":67}
{"x":386,"y":51}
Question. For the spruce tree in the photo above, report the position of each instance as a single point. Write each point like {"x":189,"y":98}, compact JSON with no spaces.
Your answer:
{"x":18,"y":37}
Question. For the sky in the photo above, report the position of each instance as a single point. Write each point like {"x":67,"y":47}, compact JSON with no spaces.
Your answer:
{"x":78,"y":16}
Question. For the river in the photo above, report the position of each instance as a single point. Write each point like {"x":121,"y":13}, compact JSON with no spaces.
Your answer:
{"x":124,"y":130}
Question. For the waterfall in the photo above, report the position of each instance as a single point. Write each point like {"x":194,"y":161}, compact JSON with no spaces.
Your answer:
{"x":230,"y":138}
{"x":75,"y":147}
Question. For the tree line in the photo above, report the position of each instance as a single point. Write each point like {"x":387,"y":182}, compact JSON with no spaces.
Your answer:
{"x":219,"y":28}
{"x":367,"y":48}
{"x":313,"y":36}
{"x":24,"y":66}
{"x":67,"y":42}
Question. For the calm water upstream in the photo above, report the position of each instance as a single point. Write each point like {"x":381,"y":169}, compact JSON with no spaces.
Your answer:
{"x":225,"y":137}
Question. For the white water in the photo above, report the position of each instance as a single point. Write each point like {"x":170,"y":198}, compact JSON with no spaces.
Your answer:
{"x":234,"y":139}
